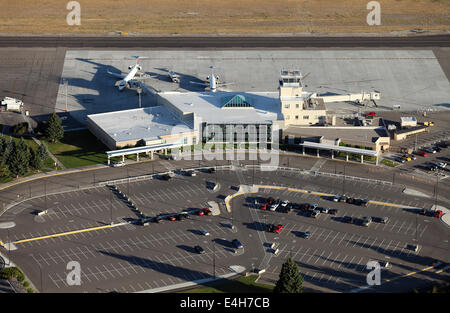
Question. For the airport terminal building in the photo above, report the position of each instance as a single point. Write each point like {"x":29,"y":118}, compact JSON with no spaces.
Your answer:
{"x":188,"y":118}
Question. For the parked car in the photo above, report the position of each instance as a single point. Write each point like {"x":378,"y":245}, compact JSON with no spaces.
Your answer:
{"x":184,"y":215}
{"x":305,"y":206}
{"x":211,"y":170}
{"x":350,"y":200}
{"x":442,"y":165}
{"x":382,"y":220}
{"x":274,"y":205}
{"x":190,"y":173}
{"x":367,"y":220}
{"x":270,"y":200}
{"x":172,"y":218}
{"x":421,"y":153}
{"x":306,"y":235}
{"x":199,"y":249}
{"x":360,"y":202}
{"x":263,"y":206}
{"x":274,"y":228}
{"x":118,"y":164}
{"x":285,"y":203}
{"x":371,"y":114}
{"x":237,"y":244}
{"x":412,"y":156}
{"x":332,"y":211}
{"x":336,"y":198}
{"x":204,"y":232}
{"x":157,"y":219}
{"x":313,"y":207}
{"x":400,"y":160}
{"x":343,"y":199}
{"x":438,"y":213}
{"x":324,"y":210}
{"x":437,"y":148}
{"x":347,"y":219}
{"x":200,"y":212}
{"x":429,"y":150}
{"x":207,"y":211}
{"x":315,"y":213}
{"x":165,"y":177}
{"x":406,"y":157}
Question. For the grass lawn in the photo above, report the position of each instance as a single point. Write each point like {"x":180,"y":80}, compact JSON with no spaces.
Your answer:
{"x":240,"y":285}
{"x":389,"y":163}
{"x":78,"y":148}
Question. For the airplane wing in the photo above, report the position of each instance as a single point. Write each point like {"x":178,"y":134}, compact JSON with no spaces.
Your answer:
{"x":224,"y":84}
{"x":143,"y":77}
{"x":115,"y":74}
{"x":197,"y":83}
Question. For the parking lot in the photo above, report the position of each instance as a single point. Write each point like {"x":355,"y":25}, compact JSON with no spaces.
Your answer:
{"x":335,"y":256}
{"x":129,"y":257}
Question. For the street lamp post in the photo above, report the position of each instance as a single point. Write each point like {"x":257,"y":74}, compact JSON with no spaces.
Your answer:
{"x":343,"y":183}
{"x":9,"y":250}
{"x":214,"y":260}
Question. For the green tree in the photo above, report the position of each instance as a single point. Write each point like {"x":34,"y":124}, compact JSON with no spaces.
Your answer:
{"x":54,"y":130}
{"x":35,"y":161}
{"x":290,"y":280}
{"x":42,"y":152}
{"x":18,"y":159}
{"x":2,"y":144}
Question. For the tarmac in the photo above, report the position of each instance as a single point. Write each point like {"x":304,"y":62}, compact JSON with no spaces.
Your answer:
{"x":402,"y":76}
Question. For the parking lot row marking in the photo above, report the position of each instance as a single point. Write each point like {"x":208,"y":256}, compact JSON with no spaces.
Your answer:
{"x":70,"y":233}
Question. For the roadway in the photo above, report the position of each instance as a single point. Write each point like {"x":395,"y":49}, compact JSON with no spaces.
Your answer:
{"x":224,"y":42}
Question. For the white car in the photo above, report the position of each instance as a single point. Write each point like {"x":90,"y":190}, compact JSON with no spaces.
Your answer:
{"x":442,"y":164}
{"x":284,"y":203}
{"x":118,"y":164}
{"x":204,"y":232}
{"x":336,"y":198}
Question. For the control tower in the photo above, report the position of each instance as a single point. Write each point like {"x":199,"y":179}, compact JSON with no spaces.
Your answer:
{"x":297,"y":106}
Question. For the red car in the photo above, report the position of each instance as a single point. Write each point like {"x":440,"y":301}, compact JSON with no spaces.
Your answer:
{"x":274,"y":228}
{"x":371,"y":114}
{"x":278,"y":228}
{"x":437,"y":213}
{"x":207,"y":211}
{"x":172,"y":218}
{"x":263,"y":206}
{"x":421,"y":153}
{"x":200,"y":212}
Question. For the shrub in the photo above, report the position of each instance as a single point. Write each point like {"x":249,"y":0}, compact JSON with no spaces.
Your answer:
{"x":30,"y":290}
{"x":19,"y":129}
{"x":20,"y":277}
{"x":10,"y":272}
{"x":26,"y":284}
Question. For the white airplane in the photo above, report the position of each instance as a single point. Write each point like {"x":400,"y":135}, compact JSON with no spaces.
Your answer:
{"x":174,"y":77}
{"x":130,"y":80}
{"x":212,"y":81}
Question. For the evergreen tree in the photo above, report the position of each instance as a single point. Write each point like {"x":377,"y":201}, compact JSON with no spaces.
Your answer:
{"x":9,"y":147}
{"x":18,"y":159}
{"x":290,"y":280}
{"x":2,"y":144}
{"x":35,"y":161}
{"x":42,"y":152}
{"x":54,"y":130}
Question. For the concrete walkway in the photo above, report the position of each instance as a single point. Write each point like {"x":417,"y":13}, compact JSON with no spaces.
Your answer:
{"x":49,"y":153}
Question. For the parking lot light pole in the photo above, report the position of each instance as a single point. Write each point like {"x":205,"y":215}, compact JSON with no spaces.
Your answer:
{"x":214,"y":260}
{"x":343,"y":183}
